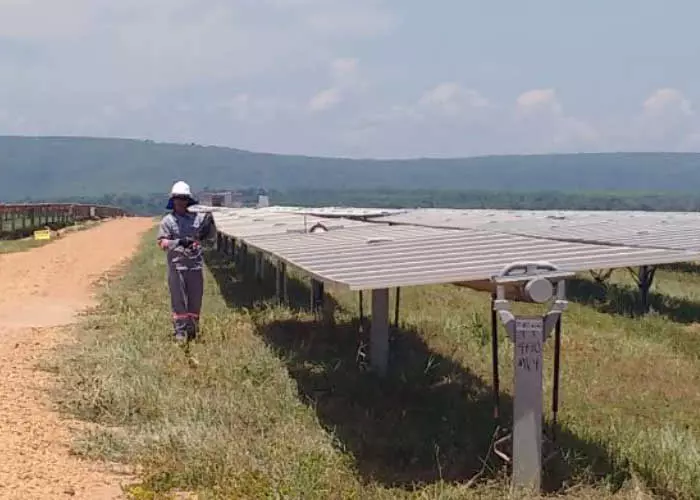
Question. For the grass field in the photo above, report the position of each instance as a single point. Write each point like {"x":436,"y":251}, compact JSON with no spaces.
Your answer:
{"x":24,"y":244}
{"x":281,"y":406}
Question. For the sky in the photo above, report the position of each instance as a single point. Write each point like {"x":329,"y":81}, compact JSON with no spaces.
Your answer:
{"x":357,"y":78}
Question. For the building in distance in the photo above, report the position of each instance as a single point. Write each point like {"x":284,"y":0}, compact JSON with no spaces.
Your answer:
{"x":231,"y":199}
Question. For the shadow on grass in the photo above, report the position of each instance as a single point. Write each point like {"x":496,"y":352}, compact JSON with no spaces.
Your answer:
{"x":625,"y":301}
{"x":682,"y":267}
{"x":429,"y":419}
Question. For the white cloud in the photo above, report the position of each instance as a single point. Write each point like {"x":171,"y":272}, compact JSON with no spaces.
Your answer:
{"x":541,"y":125}
{"x":42,"y":20}
{"x":539,"y":101}
{"x":325,"y":100}
{"x":138,"y":46}
{"x":282,"y":75}
{"x":346,"y":78}
{"x":452,"y":99}
{"x":348,"y":18}
{"x":345,"y":70}
{"x":666,"y":121}
{"x":667,"y":100}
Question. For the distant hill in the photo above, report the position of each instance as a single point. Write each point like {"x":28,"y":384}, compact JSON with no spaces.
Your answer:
{"x":57,"y":167}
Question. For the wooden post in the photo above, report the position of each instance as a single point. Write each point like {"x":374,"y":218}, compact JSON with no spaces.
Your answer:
{"x":379,"y":333}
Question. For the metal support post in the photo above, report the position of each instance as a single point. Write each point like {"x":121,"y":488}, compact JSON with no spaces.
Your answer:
{"x":281,"y":282}
{"x":278,"y":283}
{"x":397,"y":307}
{"x":379,"y":333}
{"x":646,"y":279}
{"x":243,"y":256}
{"x":361,"y":301}
{"x":285,"y":292}
{"x":555,"y":385}
{"x":317,"y":296}
{"x":258,"y":267}
{"x":494,"y":358}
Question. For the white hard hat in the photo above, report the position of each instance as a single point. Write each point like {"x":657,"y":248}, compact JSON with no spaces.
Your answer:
{"x":181,"y":188}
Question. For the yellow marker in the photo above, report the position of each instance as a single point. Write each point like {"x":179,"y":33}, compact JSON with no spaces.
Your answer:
{"x":44,"y":234}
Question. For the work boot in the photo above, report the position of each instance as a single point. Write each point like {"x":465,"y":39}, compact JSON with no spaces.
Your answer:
{"x":191,"y":332}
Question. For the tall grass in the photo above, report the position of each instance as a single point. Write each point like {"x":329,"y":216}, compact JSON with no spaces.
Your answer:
{"x":282,"y":406}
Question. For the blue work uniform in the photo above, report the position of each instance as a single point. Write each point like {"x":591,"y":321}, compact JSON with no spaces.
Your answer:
{"x":185,"y":271}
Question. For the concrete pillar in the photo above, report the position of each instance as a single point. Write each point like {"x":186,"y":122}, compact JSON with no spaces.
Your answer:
{"x":527,"y":403}
{"x":379,"y":333}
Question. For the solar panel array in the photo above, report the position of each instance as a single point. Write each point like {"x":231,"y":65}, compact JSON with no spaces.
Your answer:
{"x":448,"y":246}
{"x":676,"y":231}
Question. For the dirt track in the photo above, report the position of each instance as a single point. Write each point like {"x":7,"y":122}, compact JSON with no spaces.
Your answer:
{"x":44,"y":289}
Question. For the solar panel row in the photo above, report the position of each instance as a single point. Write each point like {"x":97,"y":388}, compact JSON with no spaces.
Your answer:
{"x":432,"y":246}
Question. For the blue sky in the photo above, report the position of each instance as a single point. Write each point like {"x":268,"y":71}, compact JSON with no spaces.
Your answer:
{"x":360,"y":78}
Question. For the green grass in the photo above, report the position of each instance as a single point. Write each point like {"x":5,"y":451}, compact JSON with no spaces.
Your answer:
{"x":282,"y":406}
{"x":12,"y":246}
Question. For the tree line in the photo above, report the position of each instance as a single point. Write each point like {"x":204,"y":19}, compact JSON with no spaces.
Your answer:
{"x":154,"y":204}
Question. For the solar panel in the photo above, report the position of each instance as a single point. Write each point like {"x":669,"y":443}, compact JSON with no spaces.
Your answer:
{"x":365,"y":256}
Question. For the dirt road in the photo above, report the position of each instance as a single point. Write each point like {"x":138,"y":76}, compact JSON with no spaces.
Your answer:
{"x":42,"y":290}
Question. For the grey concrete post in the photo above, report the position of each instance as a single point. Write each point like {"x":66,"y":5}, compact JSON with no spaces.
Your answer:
{"x":527,"y":406}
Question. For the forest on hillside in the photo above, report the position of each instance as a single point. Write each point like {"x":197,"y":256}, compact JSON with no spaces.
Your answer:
{"x":154,"y":204}
{"x":60,"y":167}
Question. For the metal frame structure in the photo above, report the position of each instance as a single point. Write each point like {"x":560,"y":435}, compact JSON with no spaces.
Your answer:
{"x":660,"y":230}
{"x":372,"y":257}
{"x":373,"y":252}
{"x":23,"y":218}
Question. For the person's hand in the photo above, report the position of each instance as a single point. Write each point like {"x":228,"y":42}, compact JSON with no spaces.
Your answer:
{"x":186,"y":242}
